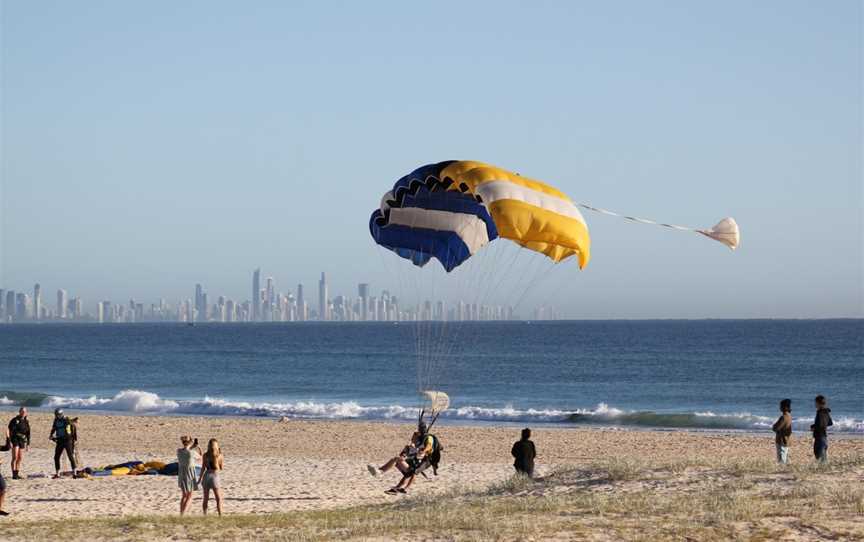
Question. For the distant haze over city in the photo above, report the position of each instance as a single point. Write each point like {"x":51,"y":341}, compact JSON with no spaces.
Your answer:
{"x":267,"y":303}
{"x":146,"y":148}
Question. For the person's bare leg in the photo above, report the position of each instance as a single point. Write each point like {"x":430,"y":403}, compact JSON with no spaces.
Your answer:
{"x":2,"y":496}
{"x":218,"y":493}
{"x":206,"y":498}
{"x":388,"y":465}
{"x":184,"y":502}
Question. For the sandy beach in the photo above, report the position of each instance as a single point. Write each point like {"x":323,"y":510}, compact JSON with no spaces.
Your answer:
{"x":282,"y":466}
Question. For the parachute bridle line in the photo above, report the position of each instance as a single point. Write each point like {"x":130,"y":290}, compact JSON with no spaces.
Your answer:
{"x":725,"y":231}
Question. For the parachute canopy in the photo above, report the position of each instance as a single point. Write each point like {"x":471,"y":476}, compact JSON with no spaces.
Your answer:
{"x":450,"y":210}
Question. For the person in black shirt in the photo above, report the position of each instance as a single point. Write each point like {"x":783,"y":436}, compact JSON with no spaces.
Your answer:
{"x":523,"y":452}
{"x":820,"y":429}
{"x":19,"y":438}
{"x":63,"y":435}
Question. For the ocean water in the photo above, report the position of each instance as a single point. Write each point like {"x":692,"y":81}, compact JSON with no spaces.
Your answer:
{"x":708,"y":374}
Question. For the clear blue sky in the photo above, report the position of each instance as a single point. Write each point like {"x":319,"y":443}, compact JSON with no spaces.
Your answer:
{"x":151,"y":145}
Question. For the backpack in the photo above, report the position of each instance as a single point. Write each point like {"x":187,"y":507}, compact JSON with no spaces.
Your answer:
{"x":62,"y":428}
{"x":435,"y":456}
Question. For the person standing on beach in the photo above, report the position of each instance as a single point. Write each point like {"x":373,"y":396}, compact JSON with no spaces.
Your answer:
{"x":211,"y":466}
{"x":820,"y":429}
{"x":523,"y":453}
{"x":64,"y":440}
{"x":19,"y":437}
{"x":2,"y":491}
{"x":783,"y":431}
{"x":186,"y":477}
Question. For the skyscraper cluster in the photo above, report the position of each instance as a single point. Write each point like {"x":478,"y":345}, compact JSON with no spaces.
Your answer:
{"x":267,"y":304}
{"x":23,"y":307}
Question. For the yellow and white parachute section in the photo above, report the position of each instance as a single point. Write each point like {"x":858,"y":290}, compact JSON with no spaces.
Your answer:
{"x":530,"y":213}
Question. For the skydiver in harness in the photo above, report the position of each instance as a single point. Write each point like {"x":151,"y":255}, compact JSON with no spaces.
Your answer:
{"x":406,"y":462}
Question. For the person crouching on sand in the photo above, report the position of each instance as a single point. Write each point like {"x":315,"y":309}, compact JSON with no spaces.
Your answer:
{"x":820,"y":429}
{"x":783,"y":431}
{"x":523,"y":453}
{"x":211,"y":466}
{"x":186,"y":476}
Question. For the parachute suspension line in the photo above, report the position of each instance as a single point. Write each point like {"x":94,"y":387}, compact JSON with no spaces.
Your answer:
{"x":483,"y":278}
{"x":726,"y":231}
{"x":545,"y":272}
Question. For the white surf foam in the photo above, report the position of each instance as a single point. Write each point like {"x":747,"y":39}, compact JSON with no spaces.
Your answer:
{"x":144,"y":402}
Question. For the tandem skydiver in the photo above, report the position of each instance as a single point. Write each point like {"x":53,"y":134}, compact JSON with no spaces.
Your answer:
{"x":405,"y":462}
{"x":423,"y":451}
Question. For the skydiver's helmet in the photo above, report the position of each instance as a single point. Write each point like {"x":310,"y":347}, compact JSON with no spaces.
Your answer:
{"x":58,"y":412}
{"x":423,"y":428}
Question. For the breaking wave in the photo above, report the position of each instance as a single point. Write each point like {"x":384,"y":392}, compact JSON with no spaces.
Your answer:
{"x":144,"y":402}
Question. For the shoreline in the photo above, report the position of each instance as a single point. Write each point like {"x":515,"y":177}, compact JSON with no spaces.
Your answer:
{"x":457,"y":422}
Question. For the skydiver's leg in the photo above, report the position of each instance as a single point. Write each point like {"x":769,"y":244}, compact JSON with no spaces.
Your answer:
{"x":406,"y":482}
{"x":403,"y":466}
{"x":388,"y":465}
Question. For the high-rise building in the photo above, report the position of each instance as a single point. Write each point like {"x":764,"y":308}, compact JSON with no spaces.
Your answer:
{"x":37,"y":301}
{"x":62,"y":303}
{"x":323,"y":308}
{"x":301,"y":304}
{"x":256,"y":295}
{"x":200,"y":305}
{"x":10,"y":306}
{"x":23,"y":309}
{"x":230,"y":311}
{"x":105,"y":312}
{"x":269,"y":300}
{"x":363,"y":291}
{"x":2,"y":305}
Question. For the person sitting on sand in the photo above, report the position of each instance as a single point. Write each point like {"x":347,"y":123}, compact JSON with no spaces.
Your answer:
{"x":186,"y":477}
{"x":820,"y":429}
{"x":523,"y":453}
{"x":783,"y":431}
{"x":406,"y":462}
{"x":211,"y":466}
{"x":62,"y":433}
{"x":19,"y":438}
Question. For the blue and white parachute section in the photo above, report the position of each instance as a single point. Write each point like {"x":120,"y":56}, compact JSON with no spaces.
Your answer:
{"x":420,"y":219}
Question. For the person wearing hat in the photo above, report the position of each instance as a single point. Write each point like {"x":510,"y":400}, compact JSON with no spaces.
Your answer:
{"x":63,"y":435}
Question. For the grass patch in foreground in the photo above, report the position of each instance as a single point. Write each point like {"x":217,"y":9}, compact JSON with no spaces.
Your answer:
{"x":611,"y":500}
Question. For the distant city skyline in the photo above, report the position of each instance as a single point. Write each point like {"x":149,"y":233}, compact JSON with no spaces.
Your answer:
{"x":267,"y":304}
